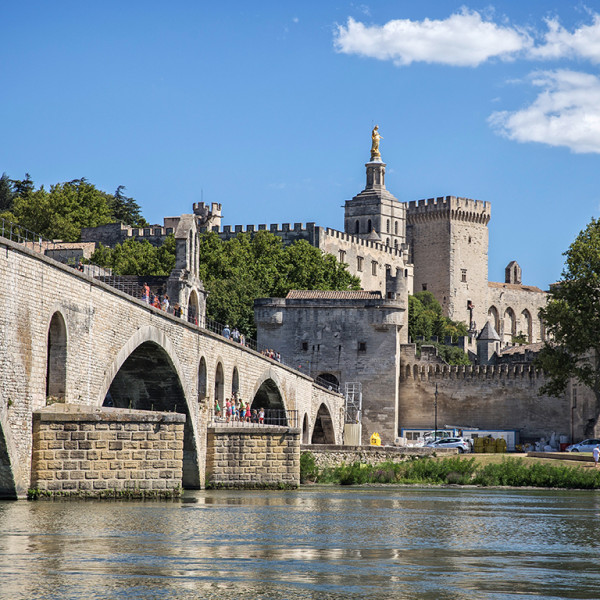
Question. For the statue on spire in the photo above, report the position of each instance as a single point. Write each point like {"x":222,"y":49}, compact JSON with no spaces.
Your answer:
{"x":375,"y":137}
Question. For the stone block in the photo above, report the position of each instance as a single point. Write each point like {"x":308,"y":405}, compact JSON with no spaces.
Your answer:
{"x":85,"y":485}
{"x":78,"y":435}
{"x":151,"y":474}
{"x":107,"y":455}
{"x":130,"y":464}
{"x":159,"y":485}
{"x":69,"y":485}
{"x":70,"y":465}
{"x":116,"y":426}
{"x":100,"y":485}
{"x":101,"y":444}
{"x":70,"y":445}
{"x":115,"y":445}
{"x":92,"y":475}
{"x":57,"y":445}
{"x":93,"y":435}
{"x":76,"y":475}
{"x":85,"y":445}
{"x":80,"y":454}
{"x":123,"y":435}
{"x":131,"y":427}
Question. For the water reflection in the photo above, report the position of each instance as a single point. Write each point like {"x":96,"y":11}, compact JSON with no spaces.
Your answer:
{"x":314,"y":543}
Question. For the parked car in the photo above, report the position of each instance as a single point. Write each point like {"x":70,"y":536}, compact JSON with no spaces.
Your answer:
{"x":585,"y":446}
{"x":453,"y":442}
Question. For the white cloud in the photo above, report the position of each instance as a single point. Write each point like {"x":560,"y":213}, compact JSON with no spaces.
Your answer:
{"x":463,"y":39}
{"x":565,"y":113}
{"x":584,"y":42}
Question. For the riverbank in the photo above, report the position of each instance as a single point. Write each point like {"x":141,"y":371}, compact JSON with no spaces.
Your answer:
{"x":481,"y":469}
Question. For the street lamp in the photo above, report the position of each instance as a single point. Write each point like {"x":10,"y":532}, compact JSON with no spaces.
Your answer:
{"x":435,"y":409}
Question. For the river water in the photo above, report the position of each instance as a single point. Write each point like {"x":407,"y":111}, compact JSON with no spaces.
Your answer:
{"x":315,"y":543}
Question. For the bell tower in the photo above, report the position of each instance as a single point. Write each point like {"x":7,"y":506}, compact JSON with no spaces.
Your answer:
{"x":375,"y":209}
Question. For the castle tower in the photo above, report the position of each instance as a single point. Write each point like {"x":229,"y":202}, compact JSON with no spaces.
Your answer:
{"x":448,"y":238}
{"x":376,"y":209}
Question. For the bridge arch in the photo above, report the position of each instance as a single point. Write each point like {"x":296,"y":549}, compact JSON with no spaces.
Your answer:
{"x":323,"y":432}
{"x":268,"y":392}
{"x":202,"y":380}
{"x":56,"y":361}
{"x":305,"y":429}
{"x":235,"y":382}
{"x":147,"y":375}
{"x":13,"y":478}
{"x":219,"y":383}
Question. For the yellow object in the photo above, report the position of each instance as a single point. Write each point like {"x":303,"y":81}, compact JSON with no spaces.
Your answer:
{"x":375,"y":440}
{"x":500,"y":445}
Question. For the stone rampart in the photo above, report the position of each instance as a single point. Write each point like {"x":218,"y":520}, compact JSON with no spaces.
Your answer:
{"x":252,"y":457}
{"x":86,"y":451}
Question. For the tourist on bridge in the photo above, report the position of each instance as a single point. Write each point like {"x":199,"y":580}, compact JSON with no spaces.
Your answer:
{"x":226,"y":332}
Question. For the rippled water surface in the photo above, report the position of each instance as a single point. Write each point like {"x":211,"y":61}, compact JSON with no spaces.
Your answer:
{"x":317,"y":543}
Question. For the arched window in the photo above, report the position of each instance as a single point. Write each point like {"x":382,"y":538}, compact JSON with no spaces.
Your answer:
{"x":357,"y":227}
{"x":396,"y":228}
{"x":369,"y":226}
{"x":494,"y":318}
{"x":387,"y":226}
{"x":510,"y":326}
{"x":525,"y":327}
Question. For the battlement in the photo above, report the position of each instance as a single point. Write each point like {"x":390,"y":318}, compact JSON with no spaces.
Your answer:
{"x":437,"y":372}
{"x":201,"y":209}
{"x":273,"y":228}
{"x":154,"y":231}
{"x":463,"y":209}
{"x":400,"y":251}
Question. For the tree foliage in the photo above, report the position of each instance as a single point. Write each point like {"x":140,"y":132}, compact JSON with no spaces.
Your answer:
{"x":126,"y":209}
{"x":238,"y":271}
{"x":572,"y":321}
{"x":61,"y":212}
{"x":426,"y":320}
{"x":134,"y":257}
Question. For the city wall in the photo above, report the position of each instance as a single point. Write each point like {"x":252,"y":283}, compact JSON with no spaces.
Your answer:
{"x":486,"y":397}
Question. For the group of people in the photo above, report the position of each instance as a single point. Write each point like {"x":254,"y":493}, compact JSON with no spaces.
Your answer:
{"x":271,"y":354}
{"x":234,"y":335}
{"x":161,"y":303}
{"x":238,"y":410}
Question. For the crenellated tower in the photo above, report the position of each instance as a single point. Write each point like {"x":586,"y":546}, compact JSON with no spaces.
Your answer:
{"x":448,"y":238}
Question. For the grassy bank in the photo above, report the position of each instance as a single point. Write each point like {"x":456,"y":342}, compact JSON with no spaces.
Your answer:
{"x":499,"y":471}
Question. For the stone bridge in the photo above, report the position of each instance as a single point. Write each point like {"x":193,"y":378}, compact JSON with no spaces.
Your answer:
{"x":67,"y":337}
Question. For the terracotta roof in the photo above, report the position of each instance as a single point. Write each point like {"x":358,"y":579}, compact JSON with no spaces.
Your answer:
{"x":333,"y":295}
{"x":522,"y":349}
{"x":515,"y":286}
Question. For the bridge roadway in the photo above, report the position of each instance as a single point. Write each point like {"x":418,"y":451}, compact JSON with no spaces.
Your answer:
{"x":67,"y":337}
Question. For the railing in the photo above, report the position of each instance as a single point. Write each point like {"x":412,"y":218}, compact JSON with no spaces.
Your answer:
{"x":326,"y":383}
{"x":271,"y":417}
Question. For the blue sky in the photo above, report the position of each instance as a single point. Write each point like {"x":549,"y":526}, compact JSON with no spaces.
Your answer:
{"x":267,"y":108}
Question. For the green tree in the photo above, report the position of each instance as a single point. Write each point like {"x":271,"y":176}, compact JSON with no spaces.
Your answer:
{"x":426,"y":320}
{"x":63,"y":211}
{"x":572,"y":321}
{"x":238,"y":271}
{"x":7,"y":193}
{"x":126,"y":209}
{"x":23,"y":187}
{"x":133,"y":257}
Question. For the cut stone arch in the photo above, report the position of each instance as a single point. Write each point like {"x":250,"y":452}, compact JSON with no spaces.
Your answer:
{"x":305,"y":429}
{"x":526,"y":325}
{"x":13,"y":480}
{"x":219,"y":384}
{"x":193,"y":310}
{"x":235,"y":382}
{"x":323,"y":432}
{"x":415,"y":371}
{"x":330,"y":380}
{"x":146,"y":375}
{"x":202,"y":380}
{"x":494,"y":317}
{"x":56,"y":364}
{"x":268,"y":397}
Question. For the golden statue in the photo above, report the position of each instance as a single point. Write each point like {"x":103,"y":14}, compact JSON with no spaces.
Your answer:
{"x":375,"y":137}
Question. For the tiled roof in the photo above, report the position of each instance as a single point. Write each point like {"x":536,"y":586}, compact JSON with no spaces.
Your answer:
{"x":333,"y":295}
{"x":515,"y":286}
{"x":522,"y":349}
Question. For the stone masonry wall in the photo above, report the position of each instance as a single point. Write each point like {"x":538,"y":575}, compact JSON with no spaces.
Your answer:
{"x":335,"y":456}
{"x":253,"y":457}
{"x":80,"y":450}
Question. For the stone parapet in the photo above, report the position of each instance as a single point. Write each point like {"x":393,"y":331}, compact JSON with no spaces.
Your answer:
{"x":253,"y":457}
{"x":106,"y":452}
{"x":328,"y":456}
